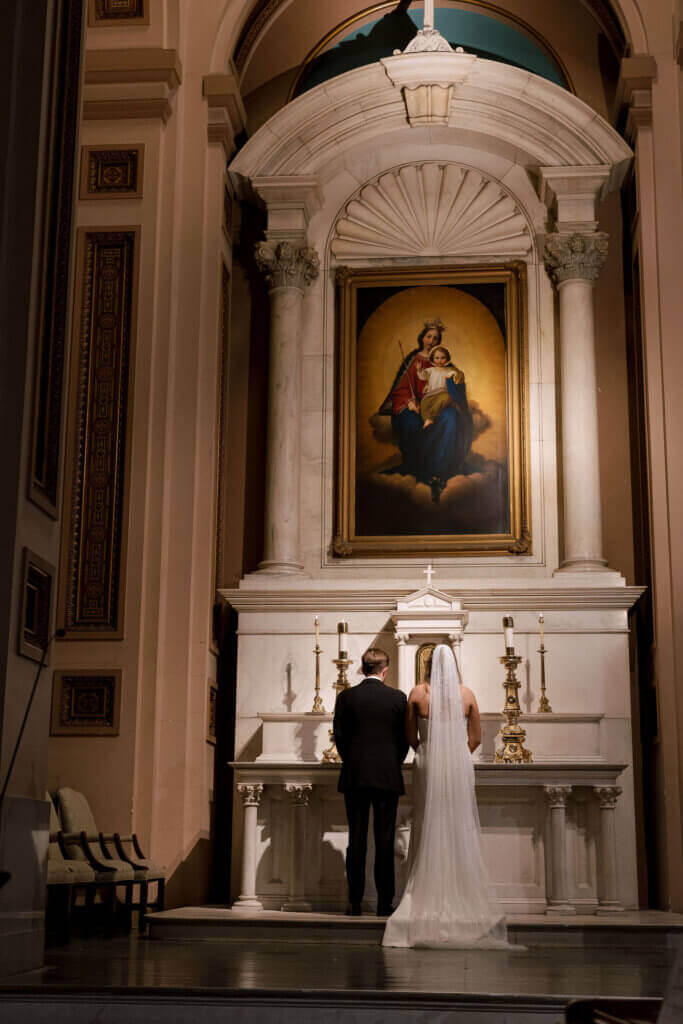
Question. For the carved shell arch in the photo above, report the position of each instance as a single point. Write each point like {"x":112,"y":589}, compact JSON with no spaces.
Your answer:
{"x":431,"y":209}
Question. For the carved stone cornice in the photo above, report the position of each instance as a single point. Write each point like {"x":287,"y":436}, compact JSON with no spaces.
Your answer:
{"x":227,"y":116}
{"x":633,"y":100}
{"x":575,"y":257}
{"x":137,"y":82}
{"x":286,"y":265}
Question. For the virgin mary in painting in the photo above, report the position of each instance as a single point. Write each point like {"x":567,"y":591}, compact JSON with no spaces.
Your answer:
{"x":429,"y":412}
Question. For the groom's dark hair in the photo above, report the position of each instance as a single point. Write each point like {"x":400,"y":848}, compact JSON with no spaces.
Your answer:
{"x":374,"y":660}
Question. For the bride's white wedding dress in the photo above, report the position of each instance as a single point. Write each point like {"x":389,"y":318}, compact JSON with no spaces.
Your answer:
{"x":448,"y":900}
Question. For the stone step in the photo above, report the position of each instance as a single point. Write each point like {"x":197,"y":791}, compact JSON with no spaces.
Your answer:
{"x":635,"y":929}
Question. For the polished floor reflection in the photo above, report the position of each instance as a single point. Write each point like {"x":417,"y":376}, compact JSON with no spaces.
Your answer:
{"x":140,"y":963}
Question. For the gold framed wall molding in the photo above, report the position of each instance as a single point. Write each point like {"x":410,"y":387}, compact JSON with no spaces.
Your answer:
{"x":112,"y":172}
{"x":96,"y":488}
{"x":117,"y":13}
{"x":412,"y":480}
{"x":86,"y":702}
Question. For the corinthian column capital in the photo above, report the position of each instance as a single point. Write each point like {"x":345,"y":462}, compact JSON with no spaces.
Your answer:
{"x":286,"y":265}
{"x":572,"y":257}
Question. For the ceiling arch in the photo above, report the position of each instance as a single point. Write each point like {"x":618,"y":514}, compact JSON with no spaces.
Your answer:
{"x":244,"y":22}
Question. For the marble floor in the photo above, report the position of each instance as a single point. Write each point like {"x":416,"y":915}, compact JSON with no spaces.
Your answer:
{"x":141,"y":963}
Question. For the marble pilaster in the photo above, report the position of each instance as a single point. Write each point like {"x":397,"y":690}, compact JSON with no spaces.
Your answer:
{"x":289,"y":268}
{"x":574,"y":262}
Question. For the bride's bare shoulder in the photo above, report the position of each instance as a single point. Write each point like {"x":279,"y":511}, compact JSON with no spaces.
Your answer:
{"x":468,"y":698}
{"x":417,"y":694}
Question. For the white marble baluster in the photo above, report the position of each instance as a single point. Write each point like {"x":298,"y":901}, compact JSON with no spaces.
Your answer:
{"x":299,"y":795}
{"x":608,"y":902}
{"x":574,"y":261}
{"x":251,"y":797}
{"x":288,"y":268}
{"x":557,"y":896}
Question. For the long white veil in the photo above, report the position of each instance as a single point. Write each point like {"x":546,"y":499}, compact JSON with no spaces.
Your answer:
{"x":448,"y":900}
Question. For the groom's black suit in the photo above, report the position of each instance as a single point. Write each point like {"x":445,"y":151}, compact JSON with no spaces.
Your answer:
{"x":369,"y":730}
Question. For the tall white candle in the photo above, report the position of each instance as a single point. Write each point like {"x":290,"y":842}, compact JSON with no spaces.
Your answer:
{"x":540,"y":623}
{"x":342,"y":630}
{"x":317,"y":632}
{"x":508,"y":632}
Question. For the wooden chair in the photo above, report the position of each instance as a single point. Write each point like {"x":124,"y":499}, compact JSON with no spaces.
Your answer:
{"x":64,"y":878}
{"x":114,"y":850}
{"x":80,"y":843}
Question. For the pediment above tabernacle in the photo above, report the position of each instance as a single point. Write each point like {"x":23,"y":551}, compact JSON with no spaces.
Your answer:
{"x":430,"y":599}
{"x":431,"y":209}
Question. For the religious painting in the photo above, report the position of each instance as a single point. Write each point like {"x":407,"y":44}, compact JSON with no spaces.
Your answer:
{"x":432,"y":412}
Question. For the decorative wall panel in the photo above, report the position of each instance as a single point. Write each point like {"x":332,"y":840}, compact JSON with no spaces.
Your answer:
{"x":114,"y":172}
{"x":94,"y":547}
{"x":36,"y":605}
{"x":86,"y":703}
{"x":54,"y":284}
{"x":115,"y":12}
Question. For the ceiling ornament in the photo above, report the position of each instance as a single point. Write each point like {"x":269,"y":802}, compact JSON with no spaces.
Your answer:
{"x":431,"y":210}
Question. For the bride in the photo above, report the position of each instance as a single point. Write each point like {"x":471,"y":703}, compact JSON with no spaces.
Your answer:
{"x":448,"y":900}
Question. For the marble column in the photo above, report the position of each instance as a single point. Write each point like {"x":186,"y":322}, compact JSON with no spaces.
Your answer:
{"x":251,"y":797}
{"x":558,"y":890}
{"x":299,"y":795}
{"x":574,"y":261}
{"x":289,"y":268}
{"x":608,"y":902}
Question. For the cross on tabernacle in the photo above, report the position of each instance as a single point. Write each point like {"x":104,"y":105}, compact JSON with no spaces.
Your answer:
{"x":429,"y":572}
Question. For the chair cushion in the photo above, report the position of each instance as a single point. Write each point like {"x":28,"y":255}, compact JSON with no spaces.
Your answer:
{"x":59,"y":874}
{"x":80,"y":872}
{"x":122,"y":872}
{"x":76,"y":816}
{"x":153,"y":870}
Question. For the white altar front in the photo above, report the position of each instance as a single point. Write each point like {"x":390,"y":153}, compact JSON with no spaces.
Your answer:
{"x":557,"y":837}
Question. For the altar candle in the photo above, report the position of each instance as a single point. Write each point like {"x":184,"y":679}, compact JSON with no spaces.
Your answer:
{"x":317,"y":632}
{"x":540,"y":623}
{"x":342,"y":630}
{"x":508,"y":632}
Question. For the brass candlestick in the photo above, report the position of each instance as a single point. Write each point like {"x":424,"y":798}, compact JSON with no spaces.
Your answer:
{"x":318,"y":706}
{"x":512,"y":734}
{"x":331,"y":755}
{"x":543,"y":704}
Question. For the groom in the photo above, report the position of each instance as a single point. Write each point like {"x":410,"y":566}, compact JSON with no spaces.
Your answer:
{"x":369,"y":730}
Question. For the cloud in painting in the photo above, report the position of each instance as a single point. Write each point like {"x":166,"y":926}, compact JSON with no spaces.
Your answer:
{"x":472,"y":502}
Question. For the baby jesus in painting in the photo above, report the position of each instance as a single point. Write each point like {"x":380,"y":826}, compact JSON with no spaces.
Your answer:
{"x":436,"y":396}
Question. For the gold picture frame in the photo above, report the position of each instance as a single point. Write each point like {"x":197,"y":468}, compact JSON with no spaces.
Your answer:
{"x":418,"y":493}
